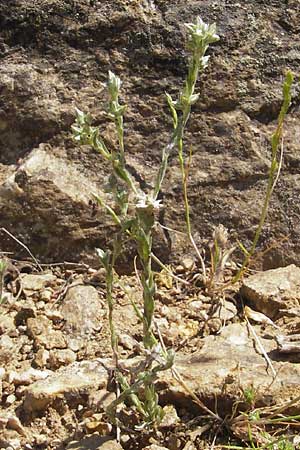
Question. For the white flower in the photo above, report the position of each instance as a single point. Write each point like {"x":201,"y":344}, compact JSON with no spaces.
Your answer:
{"x":202,"y":31}
{"x":114,"y":82}
{"x":145,"y":201}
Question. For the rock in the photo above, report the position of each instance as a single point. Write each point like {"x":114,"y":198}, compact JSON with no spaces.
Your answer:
{"x":210,"y":373}
{"x":7,"y":347}
{"x":98,"y":423}
{"x":7,"y":324}
{"x":226,"y":364}
{"x":2,"y":375}
{"x":32,"y":283}
{"x":170,"y":419}
{"x":10,"y":399}
{"x":94,"y":442}
{"x":225,"y":311}
{"x":41,"y":357}
{"x":41,"y":168}
{"x":189,"y":446}
{"x":101,"y":399}
{"x":46,"y":295}
{"x":11,"y":421}
{"x":188,"y":264}
{"x":14,"y":444}
{"x":28,"y":376}
{"x":59,"y":358}
{"x":41,"y":330}
{"x":73,"y":381}
{"x":127,"y":341}
{"x":273,"y":291}
{"x":155,"y":447}
{"x":82,"y":311}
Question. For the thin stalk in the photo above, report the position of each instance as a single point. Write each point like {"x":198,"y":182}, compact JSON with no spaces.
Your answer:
{"x":187,"y":208}
{"x":169,"y":272}
{"x":2,"y":271}
{"x":149,"y":289}
{"x":200,"y":36}
{"x":274,"y":172}
{"x":110,"y":303}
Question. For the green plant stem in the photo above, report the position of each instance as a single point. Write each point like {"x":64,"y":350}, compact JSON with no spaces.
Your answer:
{"x":272,"y":176}
{"x":179,"y":132}
{"x":120,"y":132}
{"x":144,"y":241}
{"x":110,"y":302}
{"x":273,"y":173}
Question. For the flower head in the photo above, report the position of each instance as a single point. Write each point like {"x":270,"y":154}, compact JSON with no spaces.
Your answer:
{"x":114,"y":84}
{"x":201,"y":34}
{"x":145,"y":201}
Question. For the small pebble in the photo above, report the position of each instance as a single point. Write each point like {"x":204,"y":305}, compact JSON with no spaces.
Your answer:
{"x":46,"y":295}
{"x":10,"y":399}
{"x":40,"y":305}
{"x":179,"y":269}
{"x":188,"y":264}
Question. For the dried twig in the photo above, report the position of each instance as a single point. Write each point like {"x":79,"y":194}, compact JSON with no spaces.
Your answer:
{"x":24,"y":246}
{"x":263,"y":351}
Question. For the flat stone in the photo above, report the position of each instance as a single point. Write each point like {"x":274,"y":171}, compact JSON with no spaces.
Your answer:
{"x":95,"y":442}
{"x":28,"y":376}
{"x":225,"y":311}
{"x":225,"y":364}
{"x":273,"y":290}
{"x":59,"y":358}
{"x":36,"y":282}
{"x":73,"y":381}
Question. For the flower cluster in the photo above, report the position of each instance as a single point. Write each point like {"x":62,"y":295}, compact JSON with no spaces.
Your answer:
{"x":200,"y":35}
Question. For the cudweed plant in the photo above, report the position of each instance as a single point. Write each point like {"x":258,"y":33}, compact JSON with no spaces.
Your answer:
{"x":220,"y":251}
{"x":200,"y":36}
{"x":139,"y":225}
{"x":274,"y":171}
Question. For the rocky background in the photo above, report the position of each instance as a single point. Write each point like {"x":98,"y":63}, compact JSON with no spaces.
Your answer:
{"x":56,"y":54}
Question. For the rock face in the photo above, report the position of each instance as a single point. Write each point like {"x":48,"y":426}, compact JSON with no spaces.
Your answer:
{"x":55,"y":55}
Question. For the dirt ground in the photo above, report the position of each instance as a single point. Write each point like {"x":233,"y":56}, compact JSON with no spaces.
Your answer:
{"x":56,"y":368}
{"x":53,"y":325}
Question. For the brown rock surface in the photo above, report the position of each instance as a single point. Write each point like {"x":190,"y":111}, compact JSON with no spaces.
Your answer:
{"x":228,"y":364}
{"x":73,"y":381}
{"x":56,"y":55}
{"x":273,"y":291}
{"x":82,"y":310}
{"x":40,"y":329}
{"x":225,"y":366}
{"x":95,"y":442}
